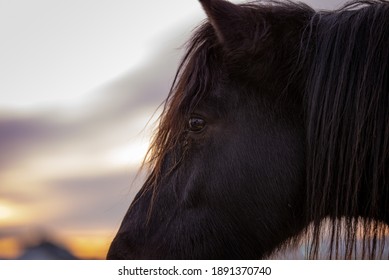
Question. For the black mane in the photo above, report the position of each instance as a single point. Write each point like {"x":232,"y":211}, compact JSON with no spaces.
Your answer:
{"x":347,"y":101}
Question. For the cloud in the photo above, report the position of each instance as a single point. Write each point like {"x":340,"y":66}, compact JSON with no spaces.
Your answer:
{"x":98,"y":201}
{"x":20,"y":134}
{"x":120,"y":108}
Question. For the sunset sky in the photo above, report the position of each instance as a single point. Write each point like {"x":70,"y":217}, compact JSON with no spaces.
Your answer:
{"x":80,"y":79}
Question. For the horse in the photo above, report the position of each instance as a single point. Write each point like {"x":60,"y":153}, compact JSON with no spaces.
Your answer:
{"x":276,"y":127}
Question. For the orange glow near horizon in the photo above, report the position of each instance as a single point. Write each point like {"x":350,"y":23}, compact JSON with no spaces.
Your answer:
{"x":9,"y":248}
{"x":89,"y":247}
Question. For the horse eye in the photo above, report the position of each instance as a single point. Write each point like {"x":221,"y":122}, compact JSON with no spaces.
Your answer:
{"x":196,"y":124}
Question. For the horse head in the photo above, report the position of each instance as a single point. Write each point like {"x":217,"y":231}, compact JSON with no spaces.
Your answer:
{"x":277,"y":119}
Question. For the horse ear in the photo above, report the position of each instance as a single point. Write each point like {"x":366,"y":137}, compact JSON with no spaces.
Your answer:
{"x":226,"y":18}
